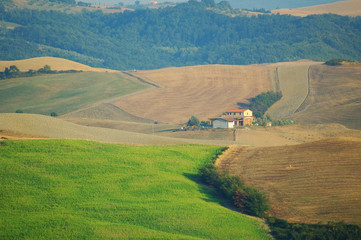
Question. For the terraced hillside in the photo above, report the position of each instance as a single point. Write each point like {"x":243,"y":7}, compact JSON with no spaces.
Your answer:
{"x":346,"y":8}
{"x":312,"y":182}
{"x":334,"y":96}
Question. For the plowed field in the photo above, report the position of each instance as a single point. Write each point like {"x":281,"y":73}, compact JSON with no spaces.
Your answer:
{"x":313,"y":182}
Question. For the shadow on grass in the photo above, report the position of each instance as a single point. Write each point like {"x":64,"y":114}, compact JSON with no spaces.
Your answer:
{"x":210,"y":193}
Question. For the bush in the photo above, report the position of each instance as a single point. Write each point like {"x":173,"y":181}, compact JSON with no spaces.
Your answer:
{"x":19,"y":111}
{"x":193,"y":121}
{"x":53,"y":114}
{"x":251,"y":201}
{"x":247,"y":199}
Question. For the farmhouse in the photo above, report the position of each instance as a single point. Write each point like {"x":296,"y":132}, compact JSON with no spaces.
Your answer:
{"x":233,"y":118}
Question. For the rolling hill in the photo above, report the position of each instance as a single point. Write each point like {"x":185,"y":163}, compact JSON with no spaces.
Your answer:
{"x":345,"y":8}
{"x":203,"y":91}
{"x":67,"y":189}
{"x":312,"y":182}
{"x":334,"y":96}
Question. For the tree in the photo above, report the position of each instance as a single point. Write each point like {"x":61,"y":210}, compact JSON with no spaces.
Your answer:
{"x":193,"y":121}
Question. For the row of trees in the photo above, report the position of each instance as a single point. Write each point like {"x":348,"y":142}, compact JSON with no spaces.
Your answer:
{"x":246,"y":198}
{"x":14,"y":72}
{"x":187,"y":34}
{"x":252,"y":202}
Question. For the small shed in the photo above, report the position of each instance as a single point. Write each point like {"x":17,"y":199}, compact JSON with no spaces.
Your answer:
{"x":224,"y":122}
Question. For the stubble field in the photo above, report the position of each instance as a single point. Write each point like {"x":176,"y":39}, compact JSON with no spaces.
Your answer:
{"x":312,"y":182}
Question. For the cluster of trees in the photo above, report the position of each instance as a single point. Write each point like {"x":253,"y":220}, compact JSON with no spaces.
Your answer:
{"x":14,"y":72}
{"x":246,"y":198}
{"x":260,"y":104}
{"x":187,"y":34}
{"x":252,"y":202}
{"x":283,"y":230}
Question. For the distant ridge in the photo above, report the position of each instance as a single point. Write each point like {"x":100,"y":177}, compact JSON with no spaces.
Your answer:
{"x":345,"y":8}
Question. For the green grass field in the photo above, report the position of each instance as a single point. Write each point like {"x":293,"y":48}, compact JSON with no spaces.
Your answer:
{"x":62,"y":93}
{"x":70,"y":189}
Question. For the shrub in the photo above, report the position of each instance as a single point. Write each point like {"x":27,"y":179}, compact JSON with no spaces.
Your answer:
{"x":247,"y":199}
{"x":19,"y":111}
{"x":193,"y":121}
{"x":251,"y":201}
{"x":53,"y":114}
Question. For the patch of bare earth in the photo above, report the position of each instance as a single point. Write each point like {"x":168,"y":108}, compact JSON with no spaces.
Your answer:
{"x":346,"y":8}
{"x":312,"y":182}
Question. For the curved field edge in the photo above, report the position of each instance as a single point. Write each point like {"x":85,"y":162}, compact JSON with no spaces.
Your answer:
{"x":293,"y":82}
{"x":79,"y":189}
{"x":312,"y":182}
{"x":62,"y":93}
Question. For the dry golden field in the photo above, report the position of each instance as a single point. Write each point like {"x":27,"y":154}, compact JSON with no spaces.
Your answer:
{"x":202,"y":91}
{"x":293,"y":82}
{"x":56,"y":64}
{"x":313,"y":182}
{"x":346,"y":8}
{"x":334,"y":96}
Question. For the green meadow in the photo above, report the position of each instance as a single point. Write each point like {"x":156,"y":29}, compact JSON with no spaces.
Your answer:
{"x":62,"y":93}
{"x":75,"y":189}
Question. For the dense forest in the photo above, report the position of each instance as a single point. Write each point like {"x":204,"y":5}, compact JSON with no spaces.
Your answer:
{"x":187,"y":34}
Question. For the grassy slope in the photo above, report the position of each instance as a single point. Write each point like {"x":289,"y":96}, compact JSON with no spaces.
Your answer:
{"x":58,"y":189}
{"x":312,"y":182}
{"x":62,"y":93}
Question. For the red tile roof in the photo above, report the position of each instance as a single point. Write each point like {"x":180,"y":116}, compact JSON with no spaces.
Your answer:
{"x":237,"y":110}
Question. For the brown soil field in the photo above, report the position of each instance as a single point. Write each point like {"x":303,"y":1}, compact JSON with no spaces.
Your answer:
{"x":56,"y":64}
{"x":313,"y":182}
{"x":334,"y":96}
{"x":346,"y":8}
{"x":202,"y":91}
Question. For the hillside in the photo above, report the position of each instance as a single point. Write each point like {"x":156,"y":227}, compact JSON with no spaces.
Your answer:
{"x":66,"y":189}
{"x":65,"y":92}
{"x":185,"y":35}
{"x":56,"y":64}
{"x":334,"y":96}
{"x":313,"y":182}
{"x":345,"y":8}
{"x":203,"y":91}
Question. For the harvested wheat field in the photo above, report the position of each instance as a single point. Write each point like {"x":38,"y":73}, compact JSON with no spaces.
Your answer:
{"x":293,"y":83}
{"x":56,"y":64}
{"x":202,"y":91}
{"x":345,"y":8}
{"x":40,"y":125}
{"x":313,"y":182}
{"x":334,"y":96}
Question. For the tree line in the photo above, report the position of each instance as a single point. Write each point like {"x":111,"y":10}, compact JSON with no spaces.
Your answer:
{"x":249,"y":200}
{"x":14,"y":72}
{"x":187,"y":34}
